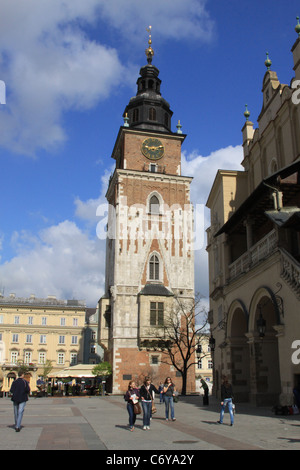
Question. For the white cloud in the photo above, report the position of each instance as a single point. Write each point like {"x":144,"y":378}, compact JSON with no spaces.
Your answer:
{"x":170,"y":18}
{"x":87,"y":210}
{"x":50,"y":64}
{"x":204,"y":169}
{"x":61,"y":260}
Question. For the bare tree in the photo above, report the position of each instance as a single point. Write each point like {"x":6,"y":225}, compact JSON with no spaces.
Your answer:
{"x":185,"y":324}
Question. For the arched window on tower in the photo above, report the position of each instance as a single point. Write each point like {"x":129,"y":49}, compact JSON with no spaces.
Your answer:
{"x":154,"y":268}
{"x":152,"y":114}
{"x":154,"y":205}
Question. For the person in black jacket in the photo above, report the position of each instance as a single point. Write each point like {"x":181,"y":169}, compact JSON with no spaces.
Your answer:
{"x":146,"y":394}
{"x":20,"y":390}
{"x":131,"y":396}
{"x":226,"y":397}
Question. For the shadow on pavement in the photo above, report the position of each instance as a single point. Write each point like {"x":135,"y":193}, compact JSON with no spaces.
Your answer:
{"x":241,"y":408}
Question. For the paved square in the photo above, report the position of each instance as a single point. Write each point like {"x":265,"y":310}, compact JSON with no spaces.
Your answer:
{"x":101,"y":423}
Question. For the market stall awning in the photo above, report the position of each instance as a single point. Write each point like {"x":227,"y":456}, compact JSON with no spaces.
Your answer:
{"x":78,"y":371}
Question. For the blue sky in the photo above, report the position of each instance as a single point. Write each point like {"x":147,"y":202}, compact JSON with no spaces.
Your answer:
{"x":70,"y":67}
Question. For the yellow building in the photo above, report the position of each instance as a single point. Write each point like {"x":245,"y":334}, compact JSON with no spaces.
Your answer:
{"x":254,"y":252}
{"x":33,"y":331}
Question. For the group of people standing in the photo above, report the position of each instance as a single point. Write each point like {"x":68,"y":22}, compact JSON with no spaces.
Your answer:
{"x":145,"y":394}
{"x":167,"y":392}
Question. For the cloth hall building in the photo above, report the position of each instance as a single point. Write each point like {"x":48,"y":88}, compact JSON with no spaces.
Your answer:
{"x":254,"y":252}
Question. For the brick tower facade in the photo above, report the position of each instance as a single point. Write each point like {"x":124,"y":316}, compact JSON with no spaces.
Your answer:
{"x":149,"y":255}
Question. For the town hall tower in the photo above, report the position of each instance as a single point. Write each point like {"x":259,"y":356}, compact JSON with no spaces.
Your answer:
{"x":149,"y":254}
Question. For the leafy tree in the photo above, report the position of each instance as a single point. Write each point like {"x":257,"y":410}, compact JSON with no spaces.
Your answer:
{"x":103,"y":369}
{"x":47,"y":368}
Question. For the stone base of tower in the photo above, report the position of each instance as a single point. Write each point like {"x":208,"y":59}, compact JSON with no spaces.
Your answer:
{"x":134,"y":364}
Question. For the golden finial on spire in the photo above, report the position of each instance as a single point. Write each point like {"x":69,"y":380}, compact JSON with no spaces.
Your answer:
{"x":149,"y":51}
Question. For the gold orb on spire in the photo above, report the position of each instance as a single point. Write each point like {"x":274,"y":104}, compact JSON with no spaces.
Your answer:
{"x":149,"y":51}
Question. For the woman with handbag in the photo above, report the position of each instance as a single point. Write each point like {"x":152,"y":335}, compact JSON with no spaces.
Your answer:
{"x":133,"y":407}
{"x":146,"y":392}
{"x":169,"y":394}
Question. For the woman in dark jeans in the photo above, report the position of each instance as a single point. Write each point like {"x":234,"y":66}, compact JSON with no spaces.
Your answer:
{"x":146,"y":393}
{"x":226,"y":397}
{"x":131,"y":396}
{"x":169,"y":393}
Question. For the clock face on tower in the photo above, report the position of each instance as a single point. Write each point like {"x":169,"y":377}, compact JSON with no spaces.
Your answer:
{"x":152,"y":148}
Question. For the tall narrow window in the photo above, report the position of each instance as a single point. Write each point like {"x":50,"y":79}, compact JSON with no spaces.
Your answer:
{"x":14,"y":357}
{"x":27,"y":357}
{"x":152,"y":114}
{"x":154,"y":205}
{"x":166,"y":120}
{"x":135,"y":116}
{"x":73,"y":359}
{"x":156,"y":313}
{"x":60,"y":358}
{"x":154,"y":268}
{"x":42,"y":358}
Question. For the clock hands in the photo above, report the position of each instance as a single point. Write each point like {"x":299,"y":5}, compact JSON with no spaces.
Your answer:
{"x":153,"y":148}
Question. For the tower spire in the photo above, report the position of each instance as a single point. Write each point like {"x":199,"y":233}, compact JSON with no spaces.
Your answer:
{"x":149,"y":51}
{"x":297,"y":27}
{"x":268,"y":61}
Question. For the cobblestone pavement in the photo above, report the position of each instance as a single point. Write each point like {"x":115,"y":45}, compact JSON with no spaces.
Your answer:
{"x":101,"y":423}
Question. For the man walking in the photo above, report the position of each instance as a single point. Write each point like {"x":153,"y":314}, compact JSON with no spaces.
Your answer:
{"x":20,"y":390}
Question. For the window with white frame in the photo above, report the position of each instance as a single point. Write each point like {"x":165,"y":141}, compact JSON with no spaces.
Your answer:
{"x":14,"y":357}
{"x":27,"y":357}
{"x":75,"y":321}
{"x":74,"y":340}
{"x":17,"y":320}
{"x":44,"y":321}
{"x":61,"y":358}
{"x":61,"y":339}
{"x":30,"y":320}
{"x":15,"y":338}
{"x":73,"y":359}
{"x":62,"y":321}
{"x":42,"y":358}
{"x":29,"y":339}
{"x":43,"y":339}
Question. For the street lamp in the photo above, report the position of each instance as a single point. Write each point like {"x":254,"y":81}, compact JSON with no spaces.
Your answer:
{"x":212,"y":343}
{"x":261,"y":324}
{"x":198,"y":351}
